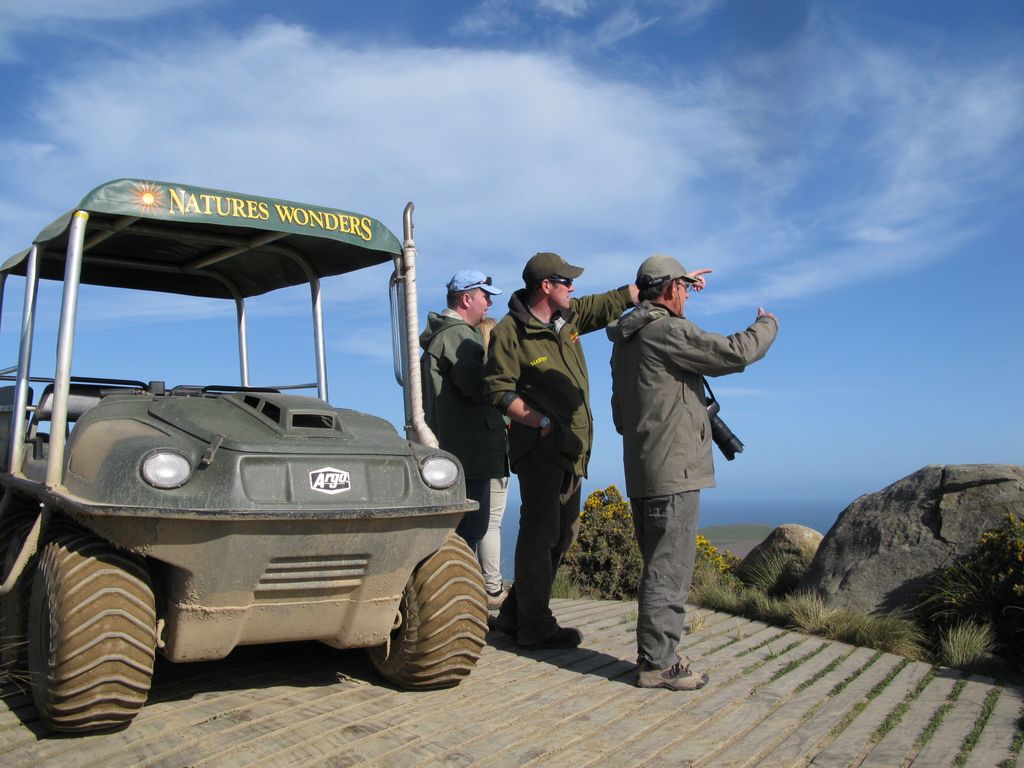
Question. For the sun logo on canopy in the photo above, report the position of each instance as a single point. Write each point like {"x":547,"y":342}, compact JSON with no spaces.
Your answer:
{"x":148,"y":196}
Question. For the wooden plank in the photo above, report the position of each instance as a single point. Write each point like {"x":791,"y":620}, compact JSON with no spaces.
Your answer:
{"x":727,"y":671}
{"x":816,"y":732}
{"x":734,"y":738}
{"x":898,"y":744}
{"x":650,"y":729}
{"x":305,"y":705}
{"x":993,"y":746}
{"x":855,"y":739}
{"x":944,"y":745}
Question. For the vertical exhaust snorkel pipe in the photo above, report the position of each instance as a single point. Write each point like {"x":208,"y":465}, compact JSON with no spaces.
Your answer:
{"x":421,"y":433}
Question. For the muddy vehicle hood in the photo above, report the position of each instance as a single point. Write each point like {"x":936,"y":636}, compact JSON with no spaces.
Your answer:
{"x":276,"y":423}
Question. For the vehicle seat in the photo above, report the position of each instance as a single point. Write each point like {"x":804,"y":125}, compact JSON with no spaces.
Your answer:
{"x":81,"y":398}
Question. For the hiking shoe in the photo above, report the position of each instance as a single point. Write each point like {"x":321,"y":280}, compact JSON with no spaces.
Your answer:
{"x":563,"y":637}
{"x":495,"y":599}
{"x":678,"y":677}
{"x":502,"y":623}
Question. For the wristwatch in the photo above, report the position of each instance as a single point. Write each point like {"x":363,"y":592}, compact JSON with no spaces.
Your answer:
{"x":545,"y":422}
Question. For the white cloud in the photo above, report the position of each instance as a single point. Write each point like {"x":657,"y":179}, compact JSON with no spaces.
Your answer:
{"x":569,"y":8}
{"x":68,"y":16}
{"x":877,"y":159}
{"x":489,"y":19}
{"x":621,"y":25}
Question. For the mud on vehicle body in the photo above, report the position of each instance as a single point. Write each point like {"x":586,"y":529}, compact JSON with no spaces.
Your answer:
{"x":139,"y":518}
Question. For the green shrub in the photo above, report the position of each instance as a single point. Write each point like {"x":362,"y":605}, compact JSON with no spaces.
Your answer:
{"x":985,"y":586}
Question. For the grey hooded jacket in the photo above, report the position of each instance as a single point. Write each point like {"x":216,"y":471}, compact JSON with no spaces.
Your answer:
{"x":658,"y":402}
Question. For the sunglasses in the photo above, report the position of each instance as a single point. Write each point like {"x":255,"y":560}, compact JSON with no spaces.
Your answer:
{"x":566,"y":281}
{"x":479,"y":284}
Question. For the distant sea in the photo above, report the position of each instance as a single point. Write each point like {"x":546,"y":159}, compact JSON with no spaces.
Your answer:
{"x":819,"y":515}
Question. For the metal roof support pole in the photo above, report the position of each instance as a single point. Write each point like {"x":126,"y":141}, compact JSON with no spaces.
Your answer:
{"x":243,"y":340}
{"x":318,"y":338}
{"x":398,"y":336}
{"x":65,"y":347}
{"x":420,"y":431}
{"x":16,"y":445}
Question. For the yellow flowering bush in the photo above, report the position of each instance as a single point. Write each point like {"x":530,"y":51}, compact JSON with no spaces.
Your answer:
{"x":605,"y":560}
{"x":722,"y":561}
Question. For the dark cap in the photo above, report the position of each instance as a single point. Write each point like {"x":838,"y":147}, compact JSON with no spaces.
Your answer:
{"x":659,"y":269}
{"x":546,"y":264}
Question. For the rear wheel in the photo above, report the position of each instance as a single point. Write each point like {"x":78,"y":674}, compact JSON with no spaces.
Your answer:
{"x":442,"y":622}
{"x":91,"y":635}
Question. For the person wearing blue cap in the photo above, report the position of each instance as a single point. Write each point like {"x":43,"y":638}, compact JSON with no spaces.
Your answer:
{"x":452,"y":368}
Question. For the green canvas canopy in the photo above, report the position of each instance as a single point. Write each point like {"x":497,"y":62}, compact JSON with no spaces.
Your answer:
{"x":175,"y":238}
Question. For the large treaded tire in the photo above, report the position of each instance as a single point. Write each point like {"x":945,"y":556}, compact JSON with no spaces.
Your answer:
{"x":443,"y":622}
{"x":14,"y":611}
{"x":91,"y":635}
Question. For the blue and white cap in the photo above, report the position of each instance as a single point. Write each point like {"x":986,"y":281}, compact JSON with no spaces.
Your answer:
{"x":468,"y":279}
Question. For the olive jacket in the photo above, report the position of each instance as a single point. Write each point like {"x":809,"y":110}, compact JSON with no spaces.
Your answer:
{"x":452,"y":368}
{"x":544,"y":365}
{"x":658,"y":402}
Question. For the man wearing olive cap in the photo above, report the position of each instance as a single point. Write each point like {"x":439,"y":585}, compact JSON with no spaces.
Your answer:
{"x":659,"y":359}
{"x":452,"y":368}
{"x":536,"y":374}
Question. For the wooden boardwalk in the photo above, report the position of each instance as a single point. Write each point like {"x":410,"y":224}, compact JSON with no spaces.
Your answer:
{"x":776,"y":698}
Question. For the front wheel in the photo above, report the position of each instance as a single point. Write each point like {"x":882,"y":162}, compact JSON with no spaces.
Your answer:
{"x":91,"y":635}
{"x":14,"y":610}
{"x":442,"y":622}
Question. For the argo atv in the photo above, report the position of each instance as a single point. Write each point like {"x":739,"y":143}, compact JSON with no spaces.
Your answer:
{"x":141,"y":518}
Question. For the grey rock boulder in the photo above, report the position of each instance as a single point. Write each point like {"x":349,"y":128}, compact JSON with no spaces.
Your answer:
{"x":884,"y":546}
{"x":784,"y":555}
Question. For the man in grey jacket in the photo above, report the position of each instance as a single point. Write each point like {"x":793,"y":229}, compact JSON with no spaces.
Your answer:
{"x":452,"y":368}
{"x":658,"y":405}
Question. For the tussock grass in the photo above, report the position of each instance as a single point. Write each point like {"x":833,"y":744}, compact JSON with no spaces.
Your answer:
{"x":696,"y":623}
{"x":808,"y":613}
{"x":769,"y":573}
{"x":565,"y":586}
{"x":894,"y":633}
{"x":966,"y":645}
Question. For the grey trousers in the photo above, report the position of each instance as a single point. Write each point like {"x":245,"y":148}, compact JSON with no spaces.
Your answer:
{"x":548,"y":524}
{"x":666,"y":530}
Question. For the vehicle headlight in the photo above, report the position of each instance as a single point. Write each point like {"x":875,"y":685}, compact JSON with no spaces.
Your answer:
{"x":166,"y":469}
{"x":439,"y":472}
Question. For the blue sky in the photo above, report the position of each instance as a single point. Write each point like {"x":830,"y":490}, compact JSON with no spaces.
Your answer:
{"x":855,"y":168}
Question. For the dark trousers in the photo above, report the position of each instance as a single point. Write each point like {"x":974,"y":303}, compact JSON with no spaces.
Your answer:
{"x":473,"y":525}
{"x":548,"y":524}
{"x":666,"y":530}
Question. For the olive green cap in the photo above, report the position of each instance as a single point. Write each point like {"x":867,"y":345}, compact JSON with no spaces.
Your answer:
{"x":548,"y":264}
{"x":659,"y":269}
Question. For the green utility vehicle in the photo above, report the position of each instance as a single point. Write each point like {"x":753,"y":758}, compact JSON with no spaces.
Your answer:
{"x":139,"y":517}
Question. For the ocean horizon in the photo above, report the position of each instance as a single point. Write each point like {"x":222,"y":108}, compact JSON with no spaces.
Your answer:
{"x":819,"y":515}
